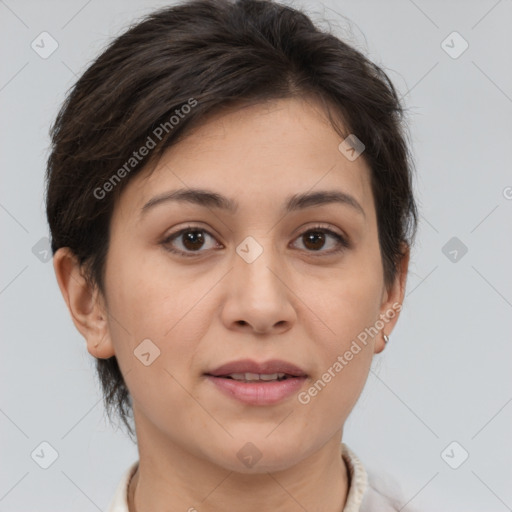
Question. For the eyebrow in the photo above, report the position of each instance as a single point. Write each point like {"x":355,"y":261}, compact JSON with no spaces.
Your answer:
{"x":210,"y":199}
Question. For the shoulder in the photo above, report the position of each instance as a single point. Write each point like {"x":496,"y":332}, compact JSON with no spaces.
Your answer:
{"x":380,"y":496}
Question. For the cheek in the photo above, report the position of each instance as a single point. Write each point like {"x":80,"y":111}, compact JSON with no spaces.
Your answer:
{"x":345,"y":353}
{"x":347,"y":300}
{"x":168,"y":310}
{"x":154,"y":329}
{"x":348,"y":304}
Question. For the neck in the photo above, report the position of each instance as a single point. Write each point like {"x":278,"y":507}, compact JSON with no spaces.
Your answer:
{"x":318,"y":482}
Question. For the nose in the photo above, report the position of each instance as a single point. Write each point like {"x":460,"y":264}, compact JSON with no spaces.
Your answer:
{"x":259,"y":299}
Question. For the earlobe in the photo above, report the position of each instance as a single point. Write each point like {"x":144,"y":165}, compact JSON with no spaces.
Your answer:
{"x":381,"y":344}
{"x":84,"y":303}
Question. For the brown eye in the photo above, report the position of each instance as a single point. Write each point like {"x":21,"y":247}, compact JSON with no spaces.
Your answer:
{"x":193,"y":240}
{"x":189,"y":241}
{"x":315,"y":239}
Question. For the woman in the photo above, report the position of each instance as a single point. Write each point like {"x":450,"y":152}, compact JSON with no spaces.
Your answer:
{"x":230,"y":203}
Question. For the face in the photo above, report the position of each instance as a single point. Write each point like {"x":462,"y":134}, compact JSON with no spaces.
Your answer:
{"x":192,"y":285}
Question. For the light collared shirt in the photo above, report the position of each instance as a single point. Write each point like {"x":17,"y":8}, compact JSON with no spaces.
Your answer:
{"x":361,"y":496}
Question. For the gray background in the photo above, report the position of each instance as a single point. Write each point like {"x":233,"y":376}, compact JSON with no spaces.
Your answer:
{"x":446,"y":374}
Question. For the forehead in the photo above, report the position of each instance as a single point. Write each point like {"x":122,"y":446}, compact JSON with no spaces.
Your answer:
{"x":260,"y":154}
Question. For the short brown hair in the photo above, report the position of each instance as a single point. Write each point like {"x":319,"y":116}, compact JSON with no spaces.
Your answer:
{"x":217,"y":53}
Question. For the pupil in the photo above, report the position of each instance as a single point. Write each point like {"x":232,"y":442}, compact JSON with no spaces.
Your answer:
{"x":193,"y":239}
{"x":313,"y":236}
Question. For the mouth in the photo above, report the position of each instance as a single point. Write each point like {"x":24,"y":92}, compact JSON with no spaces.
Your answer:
{"x":247,"y":369}
{"x":258,"y":383}
{"x":257,"y":377}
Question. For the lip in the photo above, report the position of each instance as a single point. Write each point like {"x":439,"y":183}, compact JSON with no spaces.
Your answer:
{"x":258,"y":393}
{"x":250,"y":366}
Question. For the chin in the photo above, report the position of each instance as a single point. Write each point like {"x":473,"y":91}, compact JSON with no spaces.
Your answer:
{"x":261,"y":455}
{"x":262,"y":466}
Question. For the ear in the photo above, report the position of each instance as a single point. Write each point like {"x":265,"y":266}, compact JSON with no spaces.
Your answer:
{"x":392,"y":299}
{"x":85,"y":304}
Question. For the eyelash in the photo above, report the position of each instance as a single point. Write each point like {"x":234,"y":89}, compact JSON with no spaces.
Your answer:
{"x":343,"y":243}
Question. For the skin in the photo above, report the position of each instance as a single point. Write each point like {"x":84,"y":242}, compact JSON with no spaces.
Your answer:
{"x":295,"y":302}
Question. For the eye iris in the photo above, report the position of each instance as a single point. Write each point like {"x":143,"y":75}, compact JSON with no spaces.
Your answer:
{"x":314,"y":236}
{"x":195,"y":238}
